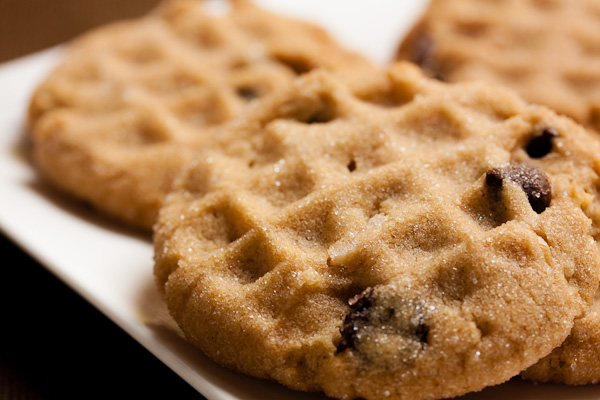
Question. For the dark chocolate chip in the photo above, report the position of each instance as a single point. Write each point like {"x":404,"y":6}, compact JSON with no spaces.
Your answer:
{"x":424,"y":57}
{"x":377,"y":312}
{"x":359,"y":314}
{"x":542,"y":144}
{"x":352,"y":166}
{"x":247,"y":93}
{"x":494,"y":177}
{"x":532,"y":180}
{"x":422,"y":332}
{"x":535,"y":184}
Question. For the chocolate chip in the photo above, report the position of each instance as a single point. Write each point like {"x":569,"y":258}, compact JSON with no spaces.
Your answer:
{"x":542,"y":144}
{"x":247,"y":93}
{"x":421,"y":332}
{"x":352,"y":166}
{"x":359,"y":315}
{"x":494,"y":177}
{"x":377,"y":312}
{"x":532,"y":180}
{"x":424,"y":57}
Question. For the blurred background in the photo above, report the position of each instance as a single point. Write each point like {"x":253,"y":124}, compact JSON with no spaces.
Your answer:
{"x":54,"y":344}
{"x":27,"y":26}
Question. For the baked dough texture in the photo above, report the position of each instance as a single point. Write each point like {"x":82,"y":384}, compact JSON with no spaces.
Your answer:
{"x":409,"y":240}
{"x":549,"y":52}
{"x":132,"y":101}
{"x":577,"y":360}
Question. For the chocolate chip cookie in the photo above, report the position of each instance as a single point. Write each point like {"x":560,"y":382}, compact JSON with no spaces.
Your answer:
{"x":409,"y":240}
{"x":547,"y":50}
{"x":132,"y":101}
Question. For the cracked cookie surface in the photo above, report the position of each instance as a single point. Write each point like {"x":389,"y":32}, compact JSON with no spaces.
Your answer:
{"x":410,"y":240}
{"x":132,"y":101}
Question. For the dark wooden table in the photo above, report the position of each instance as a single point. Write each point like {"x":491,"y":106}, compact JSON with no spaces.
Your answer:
{"x":53,"y":343}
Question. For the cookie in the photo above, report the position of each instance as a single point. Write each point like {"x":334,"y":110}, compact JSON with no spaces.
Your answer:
{"x":410,"y":240}
{"x":547,"y":50}
{"x":577,"y":360}
{"x":132,"y":101}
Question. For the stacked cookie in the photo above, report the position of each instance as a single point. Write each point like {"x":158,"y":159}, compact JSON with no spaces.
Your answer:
{"x":133,"y":101}
{"x":335,"y":226}
{"x":548,"y":51}
{"x":415,"y":235}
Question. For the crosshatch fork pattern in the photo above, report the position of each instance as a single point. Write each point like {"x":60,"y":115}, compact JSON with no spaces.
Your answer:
{"x":132,"y":101}
{"x":547,"y":50}
{"x":321,"y":193}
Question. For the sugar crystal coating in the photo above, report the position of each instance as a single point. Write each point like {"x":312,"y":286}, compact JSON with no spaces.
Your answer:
{"x":545,"y":50}
{"x":131,"y":102}
{"x":349,"y":240}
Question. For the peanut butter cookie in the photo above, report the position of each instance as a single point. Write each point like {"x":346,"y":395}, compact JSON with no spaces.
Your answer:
{"x":411,"y":240}
{"x":132,"y":101}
